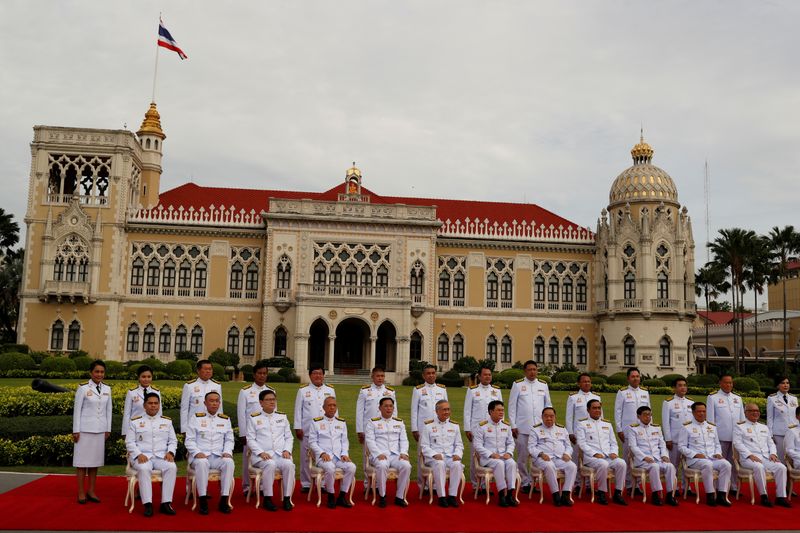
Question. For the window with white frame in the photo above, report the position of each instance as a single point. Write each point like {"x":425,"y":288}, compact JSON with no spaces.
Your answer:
{"x":443,"y":348}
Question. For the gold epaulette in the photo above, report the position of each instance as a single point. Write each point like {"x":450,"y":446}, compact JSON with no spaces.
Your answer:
{"x":505,"y":422}
{"x":713,"y":393}
{"x":214,"y":381}
{"x":483,"y":423}
{"x":340,"y":419}
{"x":670,"y":398}
{"x":318,"y":418}
{"x":397,"y":419}
{"x":495,"y":387}
{"x":441,"y":386}
{"x":419,"y":386}
{"x":582,"y":419}
{"x":655,"y":425}
{"x":738,"y":423}
{"x":84,"y":383}
{"x":454,"y":422}
{"x":790,"y":427}
{"x":154,"y":388}
{"x":687,"y":423}
{"x":559,"y":425}
{"x":247,"y":387}
{"x":280,"y":413}
{"x":134,"y":388}
{"x":223,"y":416}
{"x":165,"y":417}
{"x":429,"y":421}
{"x":711,"y":423}
{"x":604,"y":420}
{"x":520,"y":380}
{"x":375,"y":419}
{"x":365,"y":386}
{"x":390,"y":388}
{"x":329,"y":385}
{"x":199,"y":415}
{"x":136,"y":417}
{"x":191,"y":381}
{"x":537,"y":425}
{"x":573,"y":393}
{"x":773,"y":394}
{"x":635,"y":425}
{"x":689,"y":399}
{"x":473,"y":386}
{"x":256,"y":413}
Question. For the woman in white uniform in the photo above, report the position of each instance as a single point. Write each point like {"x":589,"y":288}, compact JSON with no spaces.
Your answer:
{"x":134,"y":399}
{"x":91,"y":426}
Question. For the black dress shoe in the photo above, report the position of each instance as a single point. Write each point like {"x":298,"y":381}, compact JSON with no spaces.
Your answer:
{"x":482,"y":492}
{"x":711,"y":499}
{"x":732,"y":494}
{"x":166,"y":508}
{"x":601,"y":498}
{"x":565,"y":498}
{"x":452,"y":501}
{"x":782,"y":502}
{"x":82,"y":501}
{"x":502,"y":501}
{"x":382,"y":501}
{"x":443,"y":502}
{"x":618,"y":498}
{"x":671,"y":500}
{"x":223,"y":504}
{"x":656,"y":499}
{"x":525,"y":489}
{"x":557,"y":499}
{"x":148,"y":510}
{"x":331,"y":500}
{"x":93,"y":499}
{"x":287,"y":504}
{"x":342,"y":501}
{"x":765,"y":501}
{"x":203,"y":505}
{"x":510,"y":499}
{"x":637,"y":492}
{"x":269,"y":505}
{"x":400,"y":502}
{"x":722,"y":500}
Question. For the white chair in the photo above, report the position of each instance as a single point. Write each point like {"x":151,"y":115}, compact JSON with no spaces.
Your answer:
{"x":255,"y":482}
{"x":133,"y":480}
{"x":427,"y":475}
{"x":693,"y":475}
{"x":746,"y":474}
{"x":486,"y":476}
{"x":371,"y":476}
{"x":793,"y":476}
{"x":587,"y":472}
{"x":317,"y":475}
{"x":213,"y":475}
{"x":537,"y":477}
{"x":641,"y":476}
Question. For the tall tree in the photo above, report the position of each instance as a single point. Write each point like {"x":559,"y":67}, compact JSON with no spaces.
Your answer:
{"x":9,"y":232}
{"x":756,"y":275}
{"x":10,"y":282}
{"x":785,"y":243}
{"x":731,"y":249}
{"x":709,"y":282}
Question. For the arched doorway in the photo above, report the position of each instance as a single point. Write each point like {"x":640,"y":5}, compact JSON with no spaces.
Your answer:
{"x":317,"y":343}
{"x":351,"y":348}
{"x":386,"y":347}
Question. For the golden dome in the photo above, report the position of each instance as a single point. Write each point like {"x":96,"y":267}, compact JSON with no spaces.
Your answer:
{"x":642,"y":152}
{"x":151,"y":125}
{"x":643,"y":182}
{"x":353,"y":171}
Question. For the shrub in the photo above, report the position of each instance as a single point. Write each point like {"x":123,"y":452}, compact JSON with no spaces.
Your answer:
{"x":153,"y":363}
{"x":545,"y":379}
{"x":466,"y":365}
{"x":247,"y":372}
{"x":620,"y":378}
{"x":16,"y":360}
{"x":280,"y":362}
{"x":19,"y":348}
{"x":82,"y":363}
{"x":599,"y":380}
{"x":487,"y":363}
{"x":38,"y":357}
{"x":508,"y":376}
{"x":274,"y":377}
{"x":186,"y":355}
{"x":179,"y":369}
{"x":116,"y":368}
{"x":703,"y":380}
{"x":654,"y":382}
{"x":78,"y":353}
{"x":223,"y":358}
{"x":451,"y":379}
{"x":746,"y":385}
{"x":58,"y":364}
{"x":669,"y":378}
{"x":567,"y":376}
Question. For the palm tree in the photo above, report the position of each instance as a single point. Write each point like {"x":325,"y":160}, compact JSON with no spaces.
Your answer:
{"x":10,"y":282}
{"x":784,"y":243}
{"x":709,"y":282}
{"x":756,"y":277}
{"x":731,"y":249}
{"x":9,"y":232}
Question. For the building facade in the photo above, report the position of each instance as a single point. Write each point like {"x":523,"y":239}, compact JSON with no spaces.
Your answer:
{"x":345,"y":277}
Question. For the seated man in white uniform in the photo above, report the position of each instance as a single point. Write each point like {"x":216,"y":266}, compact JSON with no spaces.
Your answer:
{"x":757,"y":452}
{"x":151,"y":444}
{"x":327,"y":440}
{"x":550,"y":449}
{"x":597,"y":441}
{"x":442,"y":450}
{"x":699,"y":444}
{"x":269,"y":437}
{"x":387,"y":443}
{"x":209,"y":441}
{"x":649,"y":450}
{"x":494,"y":443}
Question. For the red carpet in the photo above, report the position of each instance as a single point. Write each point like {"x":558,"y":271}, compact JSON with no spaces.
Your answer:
{"x":50,"y":503}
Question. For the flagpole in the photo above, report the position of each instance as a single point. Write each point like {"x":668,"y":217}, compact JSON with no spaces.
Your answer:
{"x":155,"y":70}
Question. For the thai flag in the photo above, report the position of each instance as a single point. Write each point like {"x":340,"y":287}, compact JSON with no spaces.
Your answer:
{"x":166,"y":40}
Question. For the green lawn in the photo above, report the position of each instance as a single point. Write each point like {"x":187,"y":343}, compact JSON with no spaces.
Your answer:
{"x":346,"y":395}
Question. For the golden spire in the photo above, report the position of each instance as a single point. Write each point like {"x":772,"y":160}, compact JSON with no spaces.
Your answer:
{"x":353,"y":171}
{"x":151,"y":125}
{"x":642,"y":152}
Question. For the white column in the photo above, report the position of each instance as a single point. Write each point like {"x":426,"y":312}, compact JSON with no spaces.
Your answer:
{"x":372,"y":347}
{"x":329,"y":355}
{"x":301,"y":354}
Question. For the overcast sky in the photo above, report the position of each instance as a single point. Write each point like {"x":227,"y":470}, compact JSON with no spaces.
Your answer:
{"x":509,"y":101}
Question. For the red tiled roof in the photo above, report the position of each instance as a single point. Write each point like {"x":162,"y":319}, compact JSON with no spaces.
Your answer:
{"x":197,"y":196}
{"x":793,"y":265}
{"x":721,"y":317}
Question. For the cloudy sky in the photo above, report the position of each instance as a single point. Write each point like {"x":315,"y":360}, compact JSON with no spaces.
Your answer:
{"x":513,"y":101}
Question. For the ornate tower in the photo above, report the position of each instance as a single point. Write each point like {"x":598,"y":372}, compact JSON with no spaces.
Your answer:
{"x":644,"y":273}
{"x":151,"y":138}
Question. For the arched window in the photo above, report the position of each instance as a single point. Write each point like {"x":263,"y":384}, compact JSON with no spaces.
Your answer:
{"x":566,"y":289}
{"x":417,"y":278}
{"x":153,"y":273}
{"x":232,"y":345}
{"x":149,"y":339}
{"x":279,"y":344}
{"x":630,"y":286}
{"x":582,"y":352}
{"x":665,"y":352}
{"x":58,"y":269}
{"x":336,"y":275}
{"x":284,"y":273}
{"x":459,"y":288}
{"x":137,"y":273}
{"x":491,"y":290}
{"x":662,"y":286}
{"x":552,"y":289}
{"x":72,"y":253}
{"x":443,"y":348}
{"x":567,"y":347}
{"x":57,"y":336}
{"x":320,"y":276}
{"x":351,"y":275}
{"x":249,"y":342}
{"x":180,"y":339}
{"x":366,"y":277}
{"x":132,"y":339}
{"x":458,"y":346}
{"x":491,"y":348}
{"x":538,"y":292}
{"x":74,"y":336}
{"x":237,"y":279}
{"x":629,"y":351}
{"x":580,"y":292}
{"x":382,"y":276}
{"x":251,"y":280}
{"x":197,"y":340}
{"x":415,"y":346}
{"x":200,"y":275}
{"x":538,"y":351}
{"x":168,"y":281}
{"x":553,"y":351}
{"x":444,"y":288}
{"x":164,"y":339}
{"x":185,"y":275}
{"x":505,"y":349}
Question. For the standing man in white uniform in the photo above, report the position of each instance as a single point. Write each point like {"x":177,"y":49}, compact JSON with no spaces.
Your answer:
{"x":246,"y":404}
{"x":423,"y":407}
{"x":576,"y":410}
{"x":476,"y":403}
{"x":528,"y":397}
{"x":194,"y":392}
{"x":367,"y":404}
{"x":307,"y":407}
{"x":725,"y":410}
{"x":675,"y":412}
{"x":627,"y":402}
